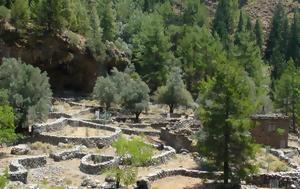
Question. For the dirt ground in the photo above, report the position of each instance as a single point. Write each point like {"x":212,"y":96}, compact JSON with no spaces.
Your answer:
{"x":177,"y":182}
{"x":81,"y":132}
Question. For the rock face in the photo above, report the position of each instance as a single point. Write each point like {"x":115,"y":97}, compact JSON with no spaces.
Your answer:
{"x":21,"y":149}
{"x":69,"y":66}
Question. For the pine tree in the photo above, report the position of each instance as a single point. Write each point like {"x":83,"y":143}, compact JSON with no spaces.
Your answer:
{"x":108,"y":21}
{"x":195,"y":13}
{"x":287,"y":93}
{"x":20,"y":13}
{"x":226,"y":102}
{"x":95,"y":34}
{"x":224,"y":20}
{"x":259,"y":36}
{"x":278,"y":35}
{"x":247,"y":53}
{"x":49,"y":15}
{"x":152,"y":53}
{"x":294,"y":39}
{"x":199,"y":53}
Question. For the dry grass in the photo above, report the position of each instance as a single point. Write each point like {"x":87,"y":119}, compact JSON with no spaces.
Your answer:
{"x":268,"y":162}
{"x":81,"y":131}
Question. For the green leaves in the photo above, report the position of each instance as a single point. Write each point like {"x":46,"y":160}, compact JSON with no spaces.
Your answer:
{"x":28,"y":89}
{"x":226,"y":102}
{"x":174,"y":93}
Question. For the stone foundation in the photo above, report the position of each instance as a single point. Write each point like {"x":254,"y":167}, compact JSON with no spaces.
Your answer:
{"x":18,"y":168}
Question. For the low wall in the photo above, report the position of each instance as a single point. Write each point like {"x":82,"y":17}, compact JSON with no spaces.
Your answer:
{"x":134,"y":131}
{"x":284,"y":179}
{"x":101,"y":163}
{"x":18,"y":168}
{"x":176,"y":141}
{"x":163,"y":157}
{"x":42,"y":133}
{"x":75,"y":153}
{"x":177,"y":172}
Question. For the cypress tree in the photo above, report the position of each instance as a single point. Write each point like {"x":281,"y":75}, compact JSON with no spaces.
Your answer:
{"x":259,"y":36}
{"x":294,"y":39}
{"x":278,"y":34}
{"x":108,"y":21}
{"x":224,"y":20}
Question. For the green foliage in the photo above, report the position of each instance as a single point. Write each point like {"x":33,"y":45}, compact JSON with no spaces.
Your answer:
{"x":247,"y":53}
{"x":294,"y":39}
{"x":224,"y":20}
{"x":259,"y":36}
{"x":20,"y":14}
{"x":226,"y":102}
{"x":28,"y":90}
{"x":280,"y":131}
{"x":108,"y":21}
{"x":7,"y":127}
{"x":199,"y":53}
{"x":195,"y":13}
{"x":4,"y":179}
{"x":287,"y":93}
{"x":276,"y":50}
{"x":139,"y":153}
{"x":94,"y":35}
{"x":174,"y":93}
{"x":152,"y":54}
{"x":4,"y":13}
{"x":105,"y":91}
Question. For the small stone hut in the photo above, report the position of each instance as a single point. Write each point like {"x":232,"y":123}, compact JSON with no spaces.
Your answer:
{"x":271,"y":129}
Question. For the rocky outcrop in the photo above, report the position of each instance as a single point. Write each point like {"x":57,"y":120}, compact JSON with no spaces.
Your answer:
{"x":67,"y":61}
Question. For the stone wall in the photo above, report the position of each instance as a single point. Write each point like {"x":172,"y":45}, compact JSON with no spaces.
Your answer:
{"x":18,"y":168}
{"x":178,"y":172}
{"x":167,"y":154}
{"x":285,"y":179}
{"x":95,"y":164}
{"x":42,"y":133}
{"x":75,"y":153}
{"x":177,"y":141}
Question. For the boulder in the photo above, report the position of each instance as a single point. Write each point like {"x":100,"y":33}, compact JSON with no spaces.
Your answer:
{"x":143,"y":184}
{"x":21,"y":149}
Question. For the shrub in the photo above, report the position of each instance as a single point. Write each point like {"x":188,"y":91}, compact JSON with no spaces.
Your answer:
{"x":4,"y":179}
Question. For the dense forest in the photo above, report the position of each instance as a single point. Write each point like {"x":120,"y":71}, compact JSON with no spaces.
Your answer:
{"x":215,"y":59}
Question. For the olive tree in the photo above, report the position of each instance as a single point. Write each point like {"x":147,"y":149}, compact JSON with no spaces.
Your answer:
{"x":28,"y":90}
{"x":174,"y":93}
{"x":135,"y":97}
{"x":105,"y":91}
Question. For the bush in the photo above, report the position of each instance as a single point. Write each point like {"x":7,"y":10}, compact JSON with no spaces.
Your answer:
{"x":7,"y":127}
{"x":28,"y":90}
{"x":4,"y":179}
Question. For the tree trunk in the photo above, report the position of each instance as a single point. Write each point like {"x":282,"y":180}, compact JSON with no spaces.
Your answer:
{"x":137,"y":115}
{"x":171,"y":106}
{"x":226,"y":145}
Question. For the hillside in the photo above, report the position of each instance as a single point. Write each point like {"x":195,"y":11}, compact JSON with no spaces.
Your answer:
{"x":264,"y":9}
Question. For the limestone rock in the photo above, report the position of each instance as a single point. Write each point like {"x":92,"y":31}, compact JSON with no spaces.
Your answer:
{"x":21,"y":149}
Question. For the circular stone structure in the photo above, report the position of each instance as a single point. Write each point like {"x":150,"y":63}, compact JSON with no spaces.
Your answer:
{"x":94,"y":164}
{"x":54,"y":133}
